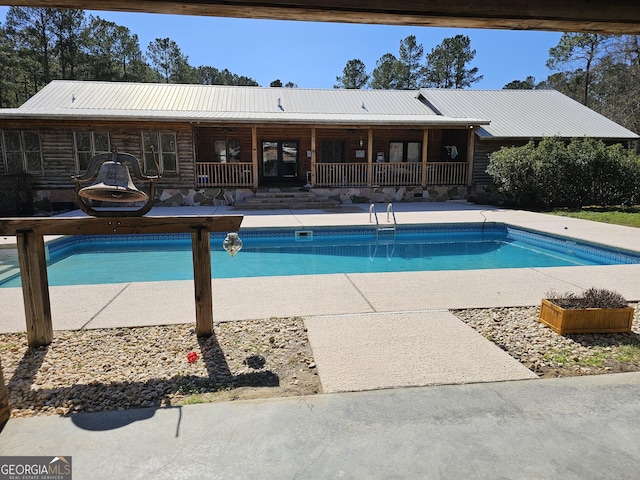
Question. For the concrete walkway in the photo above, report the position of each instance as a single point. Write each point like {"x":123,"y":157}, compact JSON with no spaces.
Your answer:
{"x":581,"y":428}
{"x":531,"y":429}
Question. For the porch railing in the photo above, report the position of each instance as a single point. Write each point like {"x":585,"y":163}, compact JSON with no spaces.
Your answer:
{"x":341,"y":174}
{"x":447,"y":173}
{"x":397,"y":173}
{"x":390,"y":174}
{"x":224,"y":174}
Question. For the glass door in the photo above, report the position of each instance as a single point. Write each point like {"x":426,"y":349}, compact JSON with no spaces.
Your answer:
{"x":280,"y":160}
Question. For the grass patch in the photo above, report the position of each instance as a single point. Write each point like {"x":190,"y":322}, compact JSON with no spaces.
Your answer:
{"x":628,"y":217}
{"x":564,"y":357}
{"x":628,"y":353}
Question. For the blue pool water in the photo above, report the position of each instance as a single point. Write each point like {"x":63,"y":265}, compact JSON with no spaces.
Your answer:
{"x":138,"y":258}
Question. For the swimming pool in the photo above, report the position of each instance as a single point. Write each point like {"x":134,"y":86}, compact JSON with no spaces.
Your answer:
{"x":80,"y":260}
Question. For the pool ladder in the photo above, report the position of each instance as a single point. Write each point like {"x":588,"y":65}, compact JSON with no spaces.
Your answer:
{"x":390,"y":243}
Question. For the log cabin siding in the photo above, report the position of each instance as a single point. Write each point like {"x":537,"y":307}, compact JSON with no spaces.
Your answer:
{"x":483,"y":149}
{"x":58,"y":154}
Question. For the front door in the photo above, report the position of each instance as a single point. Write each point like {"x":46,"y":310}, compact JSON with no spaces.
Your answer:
{"x":280,"y":161}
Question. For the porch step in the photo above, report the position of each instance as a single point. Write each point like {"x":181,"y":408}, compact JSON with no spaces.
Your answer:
{"x":286,"y":199}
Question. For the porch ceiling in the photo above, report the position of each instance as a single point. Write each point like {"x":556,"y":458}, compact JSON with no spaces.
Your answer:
{"x":603,"y":16}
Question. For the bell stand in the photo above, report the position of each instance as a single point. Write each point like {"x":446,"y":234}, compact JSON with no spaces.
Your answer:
{"x":30,"y":234}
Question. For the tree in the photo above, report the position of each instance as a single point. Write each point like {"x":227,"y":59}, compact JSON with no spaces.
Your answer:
{"x":447,"y":64}
{"x":276,"y":83}
{"x":290,"y":85}
{"x":9,"y":96}
{"x":527,"y":84}
{"x":29,"y":29}
{"x":354,"y":75}
{"x":580,"y":52}
{"x":113,"y":53}
{"x":67,"y":29}
{"x":385,"y":74}
{"x":410,"y":66}
{"x":169,"y":62}
{"x":213,"y":76}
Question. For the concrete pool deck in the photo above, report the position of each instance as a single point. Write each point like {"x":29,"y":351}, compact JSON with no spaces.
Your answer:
{"x":133,"y":304}
{"x":375,"y":302}
{"x":478,"y":428}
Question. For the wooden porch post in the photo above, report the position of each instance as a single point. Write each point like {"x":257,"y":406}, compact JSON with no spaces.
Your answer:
{"x":313,"y":156}
{"x":254,"y":154}
{"x":425,"y":150}
{"x":470,"y":154}
{"x":35,"y":288}
{"x":370,"y":157}
{"x":202,"y":282}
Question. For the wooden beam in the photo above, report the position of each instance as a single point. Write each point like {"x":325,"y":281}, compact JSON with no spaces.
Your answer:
{"x":602,"y":16}
{"x":116,"y":225}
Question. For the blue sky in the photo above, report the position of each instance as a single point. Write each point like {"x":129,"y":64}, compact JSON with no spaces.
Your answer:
{"x":312,"y":54}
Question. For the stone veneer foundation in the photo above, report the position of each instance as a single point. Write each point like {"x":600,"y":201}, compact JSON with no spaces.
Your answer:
{"x":50,"y":200}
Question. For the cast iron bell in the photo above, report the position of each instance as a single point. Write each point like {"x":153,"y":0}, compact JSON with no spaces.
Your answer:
{"x":113,"y":184}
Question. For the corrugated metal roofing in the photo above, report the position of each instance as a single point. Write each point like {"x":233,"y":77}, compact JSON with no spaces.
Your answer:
{"x":500,"y":113}
{"x":525,"y":113}
{"x":216,"y":102}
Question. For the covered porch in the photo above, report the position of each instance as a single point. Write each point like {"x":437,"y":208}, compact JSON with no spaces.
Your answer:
{"x":240,"y":156}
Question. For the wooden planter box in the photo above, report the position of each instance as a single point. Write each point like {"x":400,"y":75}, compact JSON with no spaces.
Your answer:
{"x":589,"y":320}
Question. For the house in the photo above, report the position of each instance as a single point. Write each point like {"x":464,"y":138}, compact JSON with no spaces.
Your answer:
{"x":222,"y":144}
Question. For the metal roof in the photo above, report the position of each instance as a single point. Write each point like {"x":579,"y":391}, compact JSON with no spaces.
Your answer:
{"x":525,"y":113}
{"x":108,"y":100}
{"x":498,"y":113}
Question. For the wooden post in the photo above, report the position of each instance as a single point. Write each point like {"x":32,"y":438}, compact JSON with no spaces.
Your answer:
{"x":314,"y":158}
{"x":4,"y":400}
{"x":370,"y":181}
{"x":254,"y":155}
{"x":470,"y":155}
{"x":35,"y":288}
{"x":202,"y":282}
{"x":425,"y":158}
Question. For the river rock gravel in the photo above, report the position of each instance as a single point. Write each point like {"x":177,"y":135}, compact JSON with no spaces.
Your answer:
{"x":123,"y":368}
{"x":113,"y":369}
{"x":519,"y":333}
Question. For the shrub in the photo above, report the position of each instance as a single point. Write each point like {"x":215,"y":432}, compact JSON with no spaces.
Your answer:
{"x":559,"y":174}
{"x":591,"y":298}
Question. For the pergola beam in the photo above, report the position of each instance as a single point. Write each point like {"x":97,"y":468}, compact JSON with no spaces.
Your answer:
{"x":599,"y":16}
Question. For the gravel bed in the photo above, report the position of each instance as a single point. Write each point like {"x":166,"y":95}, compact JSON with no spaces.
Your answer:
{"x":519,"y":333}
{"x":116,"y":369}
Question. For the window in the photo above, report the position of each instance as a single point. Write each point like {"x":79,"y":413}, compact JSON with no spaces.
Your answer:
{"x":333,"y":151}
{"x":88,"y":145}
{"x":21,"y":152}
{"x":227,"y":151}
{"x":405,"y":152}
{"x":159,"y":148}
